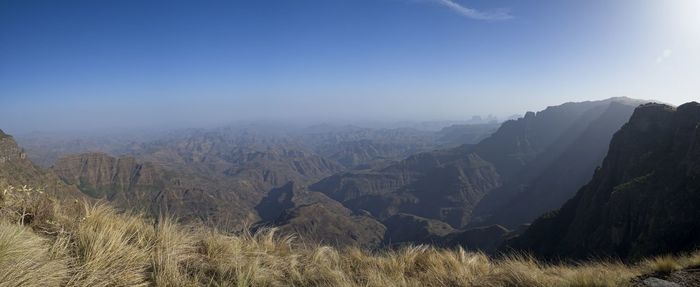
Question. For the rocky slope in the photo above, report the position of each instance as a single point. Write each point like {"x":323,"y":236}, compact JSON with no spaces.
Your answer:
{"x":644,"y":200}
{"x":317,"y":218}
{"x":442,"y":185}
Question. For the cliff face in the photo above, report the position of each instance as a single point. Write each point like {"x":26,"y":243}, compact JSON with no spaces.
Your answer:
{"x":16,"y":169}
{"x":555,"y":174}
{"x":518,"y":143}
{"x":101,"y":175}
{"x":9,"y":150}
{"x":644,"y":200}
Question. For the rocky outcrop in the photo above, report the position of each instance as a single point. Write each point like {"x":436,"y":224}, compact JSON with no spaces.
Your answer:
{"x":643,"y":201}
{"x":9,"y":150}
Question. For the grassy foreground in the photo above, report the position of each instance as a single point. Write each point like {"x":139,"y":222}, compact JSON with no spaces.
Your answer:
{"x":47,"y":243}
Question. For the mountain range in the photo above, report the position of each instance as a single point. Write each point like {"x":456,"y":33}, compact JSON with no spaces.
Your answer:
{"x":615,"y":177}
{"x":527,"y":167}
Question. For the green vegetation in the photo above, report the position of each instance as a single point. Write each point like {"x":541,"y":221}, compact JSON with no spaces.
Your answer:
{"x":44,"y":242}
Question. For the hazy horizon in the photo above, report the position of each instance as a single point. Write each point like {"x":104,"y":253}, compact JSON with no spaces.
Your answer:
{"x":86,"y":65}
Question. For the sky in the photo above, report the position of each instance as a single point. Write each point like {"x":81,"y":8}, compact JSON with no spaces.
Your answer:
{"x":67,"y":65}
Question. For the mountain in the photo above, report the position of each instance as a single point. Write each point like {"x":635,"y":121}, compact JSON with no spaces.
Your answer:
{"x":317,"y":218}
{"x":230,"y":151}
{"x":456,"y":135}
{"x":100,"y":175}
{"x":360,"y":148}
{"x":527,"y":167}
{"x":45,"y":148}
{"x":218,"y":178}
{"x":129,"y":184}
{"x":386,"y":186}
{"x":643,"y":200}
{"x":442,"y":185}
{"x":546,"y":157}
{"x":351,"y":146}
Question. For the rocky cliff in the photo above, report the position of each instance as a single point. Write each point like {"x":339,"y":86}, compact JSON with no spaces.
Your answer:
{"x":17,"y":170}
{"x":101,"y":175}
{"x":644,"y":200}
{"x":558,"y":169}
{"x":9,"y":150}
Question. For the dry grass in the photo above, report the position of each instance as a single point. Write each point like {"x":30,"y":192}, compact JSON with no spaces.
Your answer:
{"x":668,"y":263}
{"x":111,"y":249}
{"x":96,"y":246}
{"x":663,"y":264}
{"x":27,"y":259}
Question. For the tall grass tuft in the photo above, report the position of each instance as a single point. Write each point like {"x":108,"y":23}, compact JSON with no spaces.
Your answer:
{"x":111,"y":249}
{"x":663,"y":264}
{"x":27,"y":259}
{"x":173,"y":248}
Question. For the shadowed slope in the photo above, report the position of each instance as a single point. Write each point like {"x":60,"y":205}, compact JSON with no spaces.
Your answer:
{"x":644,"y":200}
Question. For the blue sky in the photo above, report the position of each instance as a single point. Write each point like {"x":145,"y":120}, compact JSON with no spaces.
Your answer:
{"x":102,"y":64}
